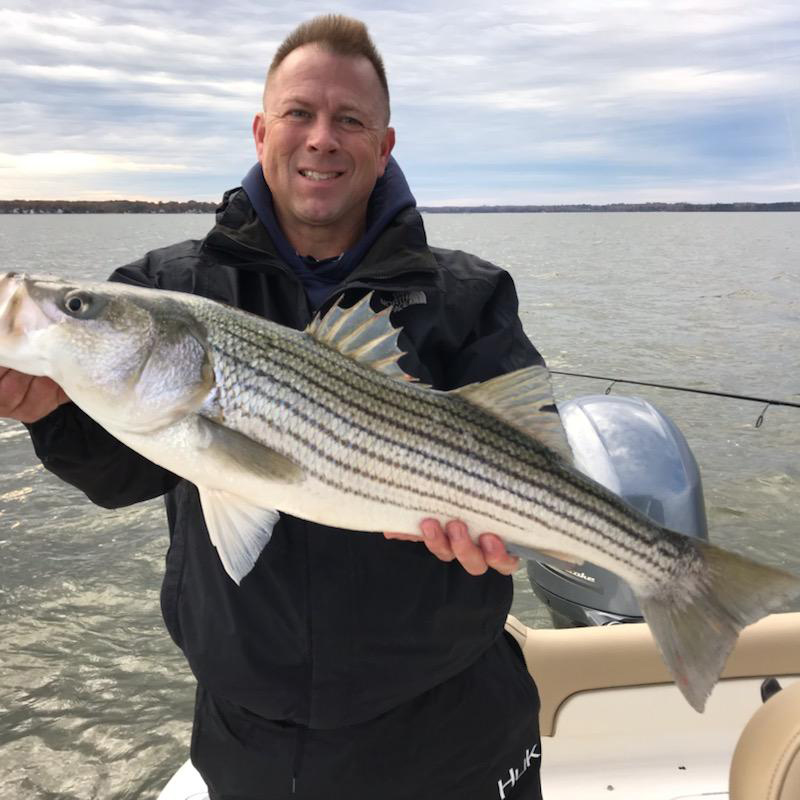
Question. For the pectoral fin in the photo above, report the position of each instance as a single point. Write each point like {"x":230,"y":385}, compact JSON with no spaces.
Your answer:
{"x":231,"y":450}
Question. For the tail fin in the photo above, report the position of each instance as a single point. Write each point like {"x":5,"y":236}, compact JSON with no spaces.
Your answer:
{"x":696,"y":627}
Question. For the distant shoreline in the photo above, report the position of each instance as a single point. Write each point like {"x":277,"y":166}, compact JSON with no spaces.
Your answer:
{"x":196,"y":207}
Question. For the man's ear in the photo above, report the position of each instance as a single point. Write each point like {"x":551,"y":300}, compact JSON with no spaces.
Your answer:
{"x":259,"y":130}
{"x":387,"y":144}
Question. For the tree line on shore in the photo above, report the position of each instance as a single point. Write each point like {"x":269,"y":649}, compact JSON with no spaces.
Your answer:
{"x":105,"y":207}
{"x":199,"y":207}
{"x":588,"y":207}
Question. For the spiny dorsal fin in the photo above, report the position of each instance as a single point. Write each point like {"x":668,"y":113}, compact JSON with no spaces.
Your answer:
{"x":361,"y":334}
{"x":524,"y":400}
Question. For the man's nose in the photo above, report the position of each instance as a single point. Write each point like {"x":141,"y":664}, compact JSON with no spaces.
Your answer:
{"x":322,"y":136}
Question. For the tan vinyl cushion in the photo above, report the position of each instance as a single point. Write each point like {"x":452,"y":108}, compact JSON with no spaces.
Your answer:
{"x":766,"y":762}
{"x":626,"y":655}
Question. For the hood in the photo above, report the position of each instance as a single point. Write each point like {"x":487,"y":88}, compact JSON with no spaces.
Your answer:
{"x":390,"y":196}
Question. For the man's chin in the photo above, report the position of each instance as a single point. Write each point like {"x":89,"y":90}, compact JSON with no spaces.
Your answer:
{"x":339,"y":221}
{"x":320,"y":215}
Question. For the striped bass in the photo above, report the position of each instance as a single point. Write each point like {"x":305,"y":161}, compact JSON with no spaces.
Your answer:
{"x":324,"y":425}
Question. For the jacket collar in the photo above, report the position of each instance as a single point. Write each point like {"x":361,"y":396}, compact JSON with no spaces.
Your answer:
{"x":393,"y":244}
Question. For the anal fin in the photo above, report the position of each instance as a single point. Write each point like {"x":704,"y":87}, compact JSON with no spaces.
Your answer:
{"x":238,"y":530}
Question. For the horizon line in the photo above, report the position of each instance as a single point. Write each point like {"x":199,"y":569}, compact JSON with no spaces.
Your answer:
{"x":212,"y":204}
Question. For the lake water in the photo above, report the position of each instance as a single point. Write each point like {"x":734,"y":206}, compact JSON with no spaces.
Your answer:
{"x":95,"y":701}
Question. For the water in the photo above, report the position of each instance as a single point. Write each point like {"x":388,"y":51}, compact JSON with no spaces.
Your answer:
{"x":95,"y":701}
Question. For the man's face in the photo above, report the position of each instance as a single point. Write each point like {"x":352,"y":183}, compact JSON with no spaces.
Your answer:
{"x":322,"y":140}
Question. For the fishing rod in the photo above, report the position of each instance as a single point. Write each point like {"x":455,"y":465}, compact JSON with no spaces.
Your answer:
{"x":712,"y":392}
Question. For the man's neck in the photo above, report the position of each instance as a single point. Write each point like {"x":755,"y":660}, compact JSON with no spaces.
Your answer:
{"x":320,"y":241}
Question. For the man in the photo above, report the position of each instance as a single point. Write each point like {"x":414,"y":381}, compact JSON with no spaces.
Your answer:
{"x":344,"y":665}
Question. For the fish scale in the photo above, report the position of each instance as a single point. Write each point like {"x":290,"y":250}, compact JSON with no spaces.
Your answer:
{"x":324,"y":425}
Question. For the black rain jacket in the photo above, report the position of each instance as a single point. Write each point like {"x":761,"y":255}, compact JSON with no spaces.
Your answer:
{"x":331,"y":627}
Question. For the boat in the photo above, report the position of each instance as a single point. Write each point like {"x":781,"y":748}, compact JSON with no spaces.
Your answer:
{"x":613,"y":724}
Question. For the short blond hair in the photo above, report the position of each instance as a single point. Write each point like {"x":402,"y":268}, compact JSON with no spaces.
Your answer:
{"x":337,"y":34}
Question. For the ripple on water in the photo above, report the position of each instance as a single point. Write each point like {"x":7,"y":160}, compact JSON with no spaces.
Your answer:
{"x":16,"y":494}
{"x":91,"y":680}
{"x":17,"y":432}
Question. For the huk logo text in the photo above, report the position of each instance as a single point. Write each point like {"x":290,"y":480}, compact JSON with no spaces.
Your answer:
{"x":514,"y":774}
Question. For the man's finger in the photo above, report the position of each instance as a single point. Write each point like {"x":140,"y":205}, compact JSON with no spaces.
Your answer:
{"x":403,"y":537}
{"x":436,"y":541}
{"x":42,"y":398}
{"x":496,"y":555}
{"x":13,"y":389}
{"x":454,"y":542}
{"x":27,"y":398}
{"x":466,"y":551}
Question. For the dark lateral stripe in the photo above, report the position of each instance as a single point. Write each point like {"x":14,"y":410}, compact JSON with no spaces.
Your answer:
{"x":432,"y":478}
{"x":347,"y":466}
{"x":320,"y":358}
{"x":435,"y":479}
{"x":618,"y":519}
{"x":376,"y":412}
{"x":348,"y":489}
{"x":500,"y":436}
{"x":329,"y":363}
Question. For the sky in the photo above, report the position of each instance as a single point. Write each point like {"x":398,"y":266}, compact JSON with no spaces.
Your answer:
{"x":553,"y":101}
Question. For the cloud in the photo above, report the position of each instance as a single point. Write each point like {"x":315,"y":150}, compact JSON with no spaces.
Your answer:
{"x":518,"y":100}
{"x":69,"y":162}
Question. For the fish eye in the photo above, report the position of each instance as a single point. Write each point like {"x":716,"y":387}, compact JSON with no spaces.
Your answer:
{"x":78,"y":303}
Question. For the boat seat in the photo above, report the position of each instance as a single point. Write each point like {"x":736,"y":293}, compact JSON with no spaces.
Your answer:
{"x":766,"y":761}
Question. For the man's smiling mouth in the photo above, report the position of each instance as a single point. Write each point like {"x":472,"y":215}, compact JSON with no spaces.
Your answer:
{"x":319,"y":176}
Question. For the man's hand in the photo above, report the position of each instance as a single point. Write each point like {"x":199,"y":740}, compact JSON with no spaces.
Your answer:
{"x":27,"y":398}
{"x":454,"y":542}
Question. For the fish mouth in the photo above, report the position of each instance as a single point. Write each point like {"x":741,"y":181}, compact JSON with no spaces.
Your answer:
{"x":20,"y":314}
{"x":10,"y":285}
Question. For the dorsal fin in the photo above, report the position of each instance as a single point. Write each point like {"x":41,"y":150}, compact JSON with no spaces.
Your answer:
{"x":363,"y":335}
{"x":524,"y":400}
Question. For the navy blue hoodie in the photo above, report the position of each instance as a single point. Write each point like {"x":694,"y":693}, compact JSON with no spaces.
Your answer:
{"x":390,"y":196}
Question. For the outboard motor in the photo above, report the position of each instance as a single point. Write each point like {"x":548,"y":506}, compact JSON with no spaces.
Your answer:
{"x":637,"y":452}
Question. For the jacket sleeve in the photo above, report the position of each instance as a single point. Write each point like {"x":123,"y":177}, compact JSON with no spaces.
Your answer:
{"x":79,"y":451}
{"x":494,"y":342}
{"x":73,"y":446}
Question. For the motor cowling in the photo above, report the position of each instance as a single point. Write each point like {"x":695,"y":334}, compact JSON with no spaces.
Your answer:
{"x":636,"y":451}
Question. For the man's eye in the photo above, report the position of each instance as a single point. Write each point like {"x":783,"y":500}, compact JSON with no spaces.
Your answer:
{"x":298,"y":113}
{"x":350,"y":122}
